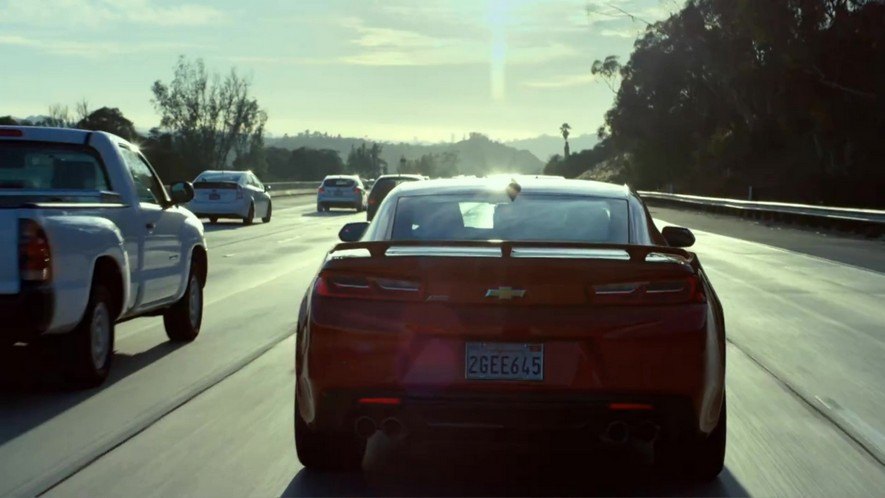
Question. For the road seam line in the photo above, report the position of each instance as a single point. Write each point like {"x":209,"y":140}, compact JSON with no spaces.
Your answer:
{"x":58,"y":477}
{"x":817,"y":405}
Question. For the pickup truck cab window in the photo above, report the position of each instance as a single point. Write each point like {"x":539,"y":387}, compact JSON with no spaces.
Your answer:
{"x":147,"y":185}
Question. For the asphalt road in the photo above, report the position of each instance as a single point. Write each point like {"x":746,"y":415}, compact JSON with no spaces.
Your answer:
{"x":215,"y":417}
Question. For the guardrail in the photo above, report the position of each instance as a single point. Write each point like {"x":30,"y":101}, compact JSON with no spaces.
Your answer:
{"x":868,"y":221}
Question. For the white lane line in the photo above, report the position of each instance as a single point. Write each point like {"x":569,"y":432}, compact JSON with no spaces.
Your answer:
{"x":65,"y":470}
{"x":819,"y":259}
{"x":849,"y":423}
{"x":868,"y":439}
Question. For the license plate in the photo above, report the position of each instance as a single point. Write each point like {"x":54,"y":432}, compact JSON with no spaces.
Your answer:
{"x":214,"y":197}
{"x":503,"y":361}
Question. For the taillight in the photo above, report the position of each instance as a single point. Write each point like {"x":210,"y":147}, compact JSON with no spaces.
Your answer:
{"x":239,"y":192}
{"x":35,"y":260}
{"x":373,"y":288}
{"x":669,"y":291}
{"x":321,"y":190}
{"x":11,"y":132}
{"x":356,"y":190}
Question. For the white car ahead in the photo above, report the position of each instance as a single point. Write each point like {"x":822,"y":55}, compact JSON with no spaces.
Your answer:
{"x":231,"y":194}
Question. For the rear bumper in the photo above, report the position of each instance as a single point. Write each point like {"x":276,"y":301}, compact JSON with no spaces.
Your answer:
{"x":569,"y":419}
{"x":669,"y":357}
{"x":26,"y":314}
{"x":340,"y":201}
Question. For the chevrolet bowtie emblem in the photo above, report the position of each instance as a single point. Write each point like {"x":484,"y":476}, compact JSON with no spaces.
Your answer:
{"x":505,"y":293}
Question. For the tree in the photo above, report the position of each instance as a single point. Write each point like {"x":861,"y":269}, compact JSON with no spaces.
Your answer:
{"x":565,"y":130}
{"x":58,"y":116}
{"x":211,"y":118}
{"x":442,"y":165}
{"x":108,"y":119}
{"x":366,"y":161}
{"x":783,"y":95}
{"x":608,"y":70}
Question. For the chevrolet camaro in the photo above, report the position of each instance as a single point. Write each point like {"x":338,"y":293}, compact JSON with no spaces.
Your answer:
{"x":537,"y":311}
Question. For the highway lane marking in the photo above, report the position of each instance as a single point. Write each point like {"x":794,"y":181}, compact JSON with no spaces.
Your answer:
{"x":147,"y":326}
{"x":849,"y":423}
{"x":781,"y":249}
{"x":869,"y":442}
{"x":65,"y":471}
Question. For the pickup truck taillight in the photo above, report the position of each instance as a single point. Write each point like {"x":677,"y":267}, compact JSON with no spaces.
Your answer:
{"x":35,"y":259}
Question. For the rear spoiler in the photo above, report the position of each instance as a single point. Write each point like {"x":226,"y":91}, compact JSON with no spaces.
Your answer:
{"x":512,"y":249}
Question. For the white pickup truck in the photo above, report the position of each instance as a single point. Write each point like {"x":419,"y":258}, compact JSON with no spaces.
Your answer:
{"x":89,"y":237}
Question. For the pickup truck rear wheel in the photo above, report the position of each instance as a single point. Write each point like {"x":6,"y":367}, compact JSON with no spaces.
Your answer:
{"x":184,"y":318}
{"x":92,"y":341}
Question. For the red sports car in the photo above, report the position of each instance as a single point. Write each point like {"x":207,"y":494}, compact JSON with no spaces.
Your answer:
{"x":540,"y":311}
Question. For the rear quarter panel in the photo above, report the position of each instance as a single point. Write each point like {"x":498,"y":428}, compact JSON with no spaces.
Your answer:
{"x":77,"y":242}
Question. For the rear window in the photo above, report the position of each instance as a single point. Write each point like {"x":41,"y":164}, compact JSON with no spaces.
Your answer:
{"x":496,"y":217}
{"x":218,"y":178}
{"x":338,"y":182}
{"x":385,"y":185}
{"x":50,"y":166}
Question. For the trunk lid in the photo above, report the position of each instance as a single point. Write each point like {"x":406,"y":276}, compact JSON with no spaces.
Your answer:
{"x":510,"y":274}
{"x":215,"y":191}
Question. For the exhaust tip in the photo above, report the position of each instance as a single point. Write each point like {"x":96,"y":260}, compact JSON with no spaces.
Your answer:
{"x":392,"y":427}
{"x":617,"y":432}
{"x":364,"y":427}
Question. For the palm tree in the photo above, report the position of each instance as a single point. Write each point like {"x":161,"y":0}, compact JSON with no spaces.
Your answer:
{"x":565,"y":129}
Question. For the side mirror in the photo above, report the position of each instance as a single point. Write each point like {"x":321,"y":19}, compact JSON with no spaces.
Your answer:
{"x":181,"y":192}
{"x":353,"y":232}
{"x":678,"y":236}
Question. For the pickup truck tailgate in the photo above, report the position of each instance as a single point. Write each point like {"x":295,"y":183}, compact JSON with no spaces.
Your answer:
{"x":9,"y":278}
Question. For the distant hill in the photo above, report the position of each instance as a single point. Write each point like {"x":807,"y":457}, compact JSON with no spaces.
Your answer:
{"x":545,"y":146}
{"x":477,"y":155}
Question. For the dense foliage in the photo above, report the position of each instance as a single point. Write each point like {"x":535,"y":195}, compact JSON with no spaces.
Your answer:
{"x":782,"y":95}
{"x":441,"y":165}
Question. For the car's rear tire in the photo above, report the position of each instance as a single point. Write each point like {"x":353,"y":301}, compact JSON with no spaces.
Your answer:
{"x":267,"y":215}
{"x":701,"y":459}
{"x":320,"y":208}
{"x":250,"y":216}
{"x":91,"y":343}
{"x":184,"y":318}
{"x":707,"y":459}
{"x":213,"y":220}
{"x":327,"y":451}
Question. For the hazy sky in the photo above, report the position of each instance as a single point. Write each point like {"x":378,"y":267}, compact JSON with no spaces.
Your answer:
{"x":386,"y":69}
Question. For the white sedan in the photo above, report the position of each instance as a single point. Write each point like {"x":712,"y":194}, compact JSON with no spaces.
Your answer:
{"x":231,"y":194}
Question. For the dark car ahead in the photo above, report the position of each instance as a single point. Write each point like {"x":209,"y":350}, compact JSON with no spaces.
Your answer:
{"x":383,"y":185}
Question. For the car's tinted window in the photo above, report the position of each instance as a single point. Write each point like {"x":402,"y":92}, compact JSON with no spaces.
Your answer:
{"x":219,"y":177}
{"x":48,"y":166}
{"x":527,"y":218}
{"x":338,"y":182}
{"x":147,"y":185}
{"x":383,"y":186}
